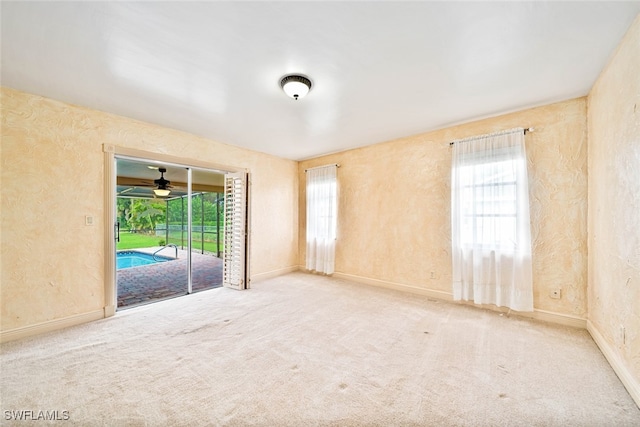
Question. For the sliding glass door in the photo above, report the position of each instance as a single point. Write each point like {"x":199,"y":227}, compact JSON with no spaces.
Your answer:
{"x":207,"y":225}
{"x":172,"y":242}
{"x":150,"y":264}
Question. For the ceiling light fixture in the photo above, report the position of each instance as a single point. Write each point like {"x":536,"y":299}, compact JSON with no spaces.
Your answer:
{"x":295,"y":85}
{"x":163,"y":184}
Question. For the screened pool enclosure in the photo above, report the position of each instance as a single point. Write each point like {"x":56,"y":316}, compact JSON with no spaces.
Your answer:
{"x":179,"y":235}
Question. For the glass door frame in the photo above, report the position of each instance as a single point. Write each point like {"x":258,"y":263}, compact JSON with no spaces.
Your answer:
{"x":111,"y":153}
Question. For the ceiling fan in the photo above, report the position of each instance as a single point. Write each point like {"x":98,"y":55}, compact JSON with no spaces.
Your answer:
{"x":163,"y":187}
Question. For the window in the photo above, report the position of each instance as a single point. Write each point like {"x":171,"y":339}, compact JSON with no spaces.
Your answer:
{"x":489,"y":200}
{"x":490,"y":230}
{"x":322,"y":210}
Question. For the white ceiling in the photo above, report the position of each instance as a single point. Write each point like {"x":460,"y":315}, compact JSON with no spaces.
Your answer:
{"x":381,"y":70}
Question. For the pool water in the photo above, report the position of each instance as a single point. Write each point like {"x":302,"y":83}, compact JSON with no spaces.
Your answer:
{"x":129,"y":259}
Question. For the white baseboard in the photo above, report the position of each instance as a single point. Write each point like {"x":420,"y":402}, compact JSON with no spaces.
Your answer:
{"x":441,"y":295}
{"x":109,"y":310}
{"x":51,"y":325}
{"x":273,"y":273}
{"x":557,"y":318}
{"x":631,"y":383}
{"x":547,"y":316}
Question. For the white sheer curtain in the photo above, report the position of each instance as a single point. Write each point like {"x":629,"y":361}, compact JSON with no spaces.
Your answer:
{"x":322,"y":210}
{"x":491,"y":237}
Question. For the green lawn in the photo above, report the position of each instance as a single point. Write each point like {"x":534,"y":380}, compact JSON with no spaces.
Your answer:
{"x":136,"y":240}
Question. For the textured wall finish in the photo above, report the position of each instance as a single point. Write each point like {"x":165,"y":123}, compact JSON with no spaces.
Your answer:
{"x":614,"y":202}
{"x":394,"y":206}
{"x":52,"y":176}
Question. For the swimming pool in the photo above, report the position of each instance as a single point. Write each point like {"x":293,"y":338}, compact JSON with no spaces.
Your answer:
{"x":129,"y":259}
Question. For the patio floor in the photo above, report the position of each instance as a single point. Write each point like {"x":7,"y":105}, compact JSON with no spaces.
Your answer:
{"x":150,"y":283}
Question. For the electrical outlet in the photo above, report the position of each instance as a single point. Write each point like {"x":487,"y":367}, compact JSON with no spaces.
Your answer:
{"x":555,"y":293}
{"x":433,"y":275}
{"x":88,"y":220}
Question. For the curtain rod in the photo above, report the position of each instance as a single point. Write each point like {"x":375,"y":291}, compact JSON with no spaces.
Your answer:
{"x":504,"y":132}
{"x":325,"y":166}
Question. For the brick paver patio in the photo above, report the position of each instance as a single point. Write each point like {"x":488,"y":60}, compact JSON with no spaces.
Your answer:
{"x":150,"y":283}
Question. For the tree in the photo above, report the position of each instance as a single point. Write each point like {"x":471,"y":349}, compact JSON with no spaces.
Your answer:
{"x":124,"y":212}
{"x":144,"y":214}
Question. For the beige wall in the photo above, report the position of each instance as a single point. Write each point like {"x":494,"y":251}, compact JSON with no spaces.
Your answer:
{"x":53,"y":175}
{"x":394,"y":206}
{"x":614,"y":203}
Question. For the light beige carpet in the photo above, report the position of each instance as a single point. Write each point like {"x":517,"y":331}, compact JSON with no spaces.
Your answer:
{"x":304,"y":350}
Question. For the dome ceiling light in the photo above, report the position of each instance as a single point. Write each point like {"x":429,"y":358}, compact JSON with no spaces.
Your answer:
{"x":295,"y":85}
